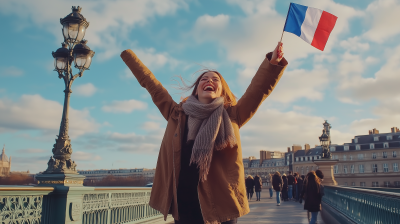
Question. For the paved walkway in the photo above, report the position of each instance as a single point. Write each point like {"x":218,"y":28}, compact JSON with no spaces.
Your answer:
{"x":266,"y":211}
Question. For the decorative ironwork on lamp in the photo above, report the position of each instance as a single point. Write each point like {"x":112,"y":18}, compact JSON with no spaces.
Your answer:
{"x":324,"y":140}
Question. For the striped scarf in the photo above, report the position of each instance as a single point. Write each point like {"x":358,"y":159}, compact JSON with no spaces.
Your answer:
{"x":210,"y":127}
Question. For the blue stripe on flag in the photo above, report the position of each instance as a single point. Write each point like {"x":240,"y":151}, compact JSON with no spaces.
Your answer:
{"x":295,"y":18}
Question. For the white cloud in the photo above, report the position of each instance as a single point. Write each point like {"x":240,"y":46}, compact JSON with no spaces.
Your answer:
{"x":110,"y":21}
{"x":86,"y":90}
{"x":33,"y":112}
{"x":124,"y":106}
{"x":31,"y":151}
{"x":354,"y":44}
{"x":299,"y":84}
{"x":382,"y":15}
{"x":11,"y":71}
{"x":84,"y":156}
{"x":151,"y":126}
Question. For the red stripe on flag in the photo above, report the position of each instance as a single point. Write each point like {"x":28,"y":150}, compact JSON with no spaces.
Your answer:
{"x":324,"y":29}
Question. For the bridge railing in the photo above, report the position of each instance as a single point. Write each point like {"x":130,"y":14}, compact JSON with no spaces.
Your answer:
{"x":86,"y":205}
{"x":364,"y":205}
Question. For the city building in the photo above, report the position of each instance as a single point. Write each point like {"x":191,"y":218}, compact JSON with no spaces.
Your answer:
{"x":5,"y":163}
{"x":368,"y":161}
{"x":93,"y":175}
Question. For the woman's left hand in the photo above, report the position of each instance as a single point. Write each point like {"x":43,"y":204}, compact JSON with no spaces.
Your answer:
{"x":277,"y":54}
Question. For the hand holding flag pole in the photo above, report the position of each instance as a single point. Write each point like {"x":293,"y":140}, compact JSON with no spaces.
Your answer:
{"x":312,"y":25}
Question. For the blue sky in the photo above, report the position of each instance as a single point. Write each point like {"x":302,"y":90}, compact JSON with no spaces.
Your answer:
{"x":113,"y":123}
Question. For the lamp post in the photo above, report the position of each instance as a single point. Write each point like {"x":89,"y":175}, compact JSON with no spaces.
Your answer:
{"x":325,"y":143}
{"x":73,"y":50}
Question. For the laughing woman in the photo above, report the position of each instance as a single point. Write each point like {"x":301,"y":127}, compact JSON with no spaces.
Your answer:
{"x":199,"y":175}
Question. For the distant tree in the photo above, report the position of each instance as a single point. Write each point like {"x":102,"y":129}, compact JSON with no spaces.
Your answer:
{"x":111,"y":180}
{"x":17,"y":179}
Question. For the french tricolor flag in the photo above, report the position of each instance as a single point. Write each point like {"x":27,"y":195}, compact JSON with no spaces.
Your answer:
{"x":310,"y":24}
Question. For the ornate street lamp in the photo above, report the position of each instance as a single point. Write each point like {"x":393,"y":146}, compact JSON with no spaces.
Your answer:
{"x":74,"y":49}
{"x":324,"y":139}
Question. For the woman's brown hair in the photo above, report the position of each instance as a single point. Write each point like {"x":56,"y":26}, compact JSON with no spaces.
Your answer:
{"x":229,"y":98}
{"x":312,"y":182}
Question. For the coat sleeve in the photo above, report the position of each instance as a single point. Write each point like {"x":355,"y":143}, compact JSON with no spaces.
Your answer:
{"x":160,"y":96}
{"x":260,"y":88}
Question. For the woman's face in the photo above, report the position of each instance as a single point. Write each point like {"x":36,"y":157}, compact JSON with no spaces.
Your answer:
{"x":209,"y":88}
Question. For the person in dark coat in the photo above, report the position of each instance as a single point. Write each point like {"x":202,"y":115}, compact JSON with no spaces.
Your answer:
{"x":277,"y":184}
{"x":285,"y":188}
{"x":258,"y":186}
{"x":295,"y":187}
{"x":291,"y":183}
{"x":312,"y":195}
{"x":249,"y":187}
{"x":300,"y":182}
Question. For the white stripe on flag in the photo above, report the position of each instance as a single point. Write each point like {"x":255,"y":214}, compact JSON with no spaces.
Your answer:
{"x":310,"y":24}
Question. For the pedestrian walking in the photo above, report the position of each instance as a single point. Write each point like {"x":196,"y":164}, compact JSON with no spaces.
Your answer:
{"x":249,"y":187}
{"x":312,"y":195}
{"x":290,"y":178}
{"x":271,"y":193}
{"x":258,"y":186}
{"x":296,"y":187}
{"x":285,"y":188}
{"x":277,"y":184}
{"x":201,"y":151}
{"x":300,"y":184}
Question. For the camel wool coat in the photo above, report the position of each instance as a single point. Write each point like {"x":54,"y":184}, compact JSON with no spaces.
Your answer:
{"x":222,"y":196}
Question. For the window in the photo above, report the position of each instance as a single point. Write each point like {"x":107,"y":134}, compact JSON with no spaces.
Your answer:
{"x":372,"y":146}
{"x":297,"y":159}
{"x":352,"y":168}
{"x":344,"y":168}
{"x":301,"y":158}
{"x":351,"y":157}
{"x":373,"y":155}
{"x":353,"y":183}
{"x":386,"y":183}
{"x":384,"y":154}
{"x":397,"y":183}
{"x":362,"y":184}
{"x":333,"y":148}
{"x":302,"y":170}
{"x":346,"y":148}
{"x":394,"y":154}
{"x":297,"y":169}
{"x":385,"y":145}
{"x":355,"y":140}
{"x":375,"y":184}
{"x":385,"y":168}
{"x":361,"y":168}
{"x":358,"y":147}
{"x":336,"y":169}
{"x":345,"y":184}
{"x":389,"y":137}
{"x":306,"y":169}
{"x":335,"y":157}
{"x":376,"y":138}
{"x":395,"y":167}
{"x":374,"y":168}
{"x":344,"y":157}
{"x":360,"y":156}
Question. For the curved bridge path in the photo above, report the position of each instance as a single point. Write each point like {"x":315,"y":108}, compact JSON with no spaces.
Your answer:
{"x":266,"y":211}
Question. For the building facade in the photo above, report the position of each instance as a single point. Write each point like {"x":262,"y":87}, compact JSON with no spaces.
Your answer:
{"x":5,"y":163}
{"x":367,"y":161}
{"x":95,"y":175}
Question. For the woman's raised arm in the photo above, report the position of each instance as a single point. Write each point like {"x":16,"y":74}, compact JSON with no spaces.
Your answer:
{"x":261,"y":86}
{"x":145,"y":77}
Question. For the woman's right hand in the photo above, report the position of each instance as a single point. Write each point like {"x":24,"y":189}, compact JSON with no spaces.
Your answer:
{"x":277,"y":54}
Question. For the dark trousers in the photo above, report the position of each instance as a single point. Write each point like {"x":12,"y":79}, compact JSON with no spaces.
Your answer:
{"x":233,"y":221}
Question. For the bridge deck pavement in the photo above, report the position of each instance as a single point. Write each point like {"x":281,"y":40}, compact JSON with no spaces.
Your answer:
{"x":266,"y":211}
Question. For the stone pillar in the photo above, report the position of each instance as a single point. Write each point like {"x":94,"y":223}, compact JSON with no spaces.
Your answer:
{"x":326,"y":166}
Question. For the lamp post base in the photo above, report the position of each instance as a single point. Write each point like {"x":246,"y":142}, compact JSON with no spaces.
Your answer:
{"x":326,"y":166}
{"x":60,"y":179}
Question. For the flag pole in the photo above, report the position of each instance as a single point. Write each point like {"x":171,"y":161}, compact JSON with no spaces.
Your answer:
{"x":285,"y":22}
